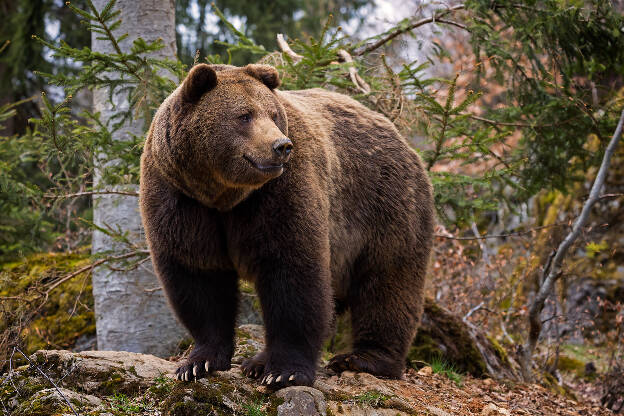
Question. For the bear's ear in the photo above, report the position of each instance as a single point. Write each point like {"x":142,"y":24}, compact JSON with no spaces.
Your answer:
{"x":199,"y":80}
{"x":264,"y":73}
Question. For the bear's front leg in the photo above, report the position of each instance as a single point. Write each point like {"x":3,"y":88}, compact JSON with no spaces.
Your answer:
{"x":206,"y":304}
{"x":296,"y":304}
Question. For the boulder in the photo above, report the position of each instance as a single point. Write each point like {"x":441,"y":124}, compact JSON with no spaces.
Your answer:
{"x":109,"y":383}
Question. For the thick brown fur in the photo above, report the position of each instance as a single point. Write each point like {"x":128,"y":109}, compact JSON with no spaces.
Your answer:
{"x":346,"y":219}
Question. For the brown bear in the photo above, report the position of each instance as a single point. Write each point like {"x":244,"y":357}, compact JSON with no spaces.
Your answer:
{"x":311,"y":196}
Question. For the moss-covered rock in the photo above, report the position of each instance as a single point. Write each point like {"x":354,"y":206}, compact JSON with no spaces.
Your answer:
{"x":63,"y":319}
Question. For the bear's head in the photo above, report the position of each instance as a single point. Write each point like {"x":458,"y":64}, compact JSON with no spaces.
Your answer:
{"x":222,"y":133}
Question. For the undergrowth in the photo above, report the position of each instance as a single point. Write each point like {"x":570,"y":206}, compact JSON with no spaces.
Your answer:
{"x":440,"y":366}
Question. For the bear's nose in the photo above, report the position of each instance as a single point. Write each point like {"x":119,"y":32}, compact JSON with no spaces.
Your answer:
{"x":282,"y":147}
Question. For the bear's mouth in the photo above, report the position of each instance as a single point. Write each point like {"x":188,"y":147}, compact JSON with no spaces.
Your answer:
{"x":265,"y":167}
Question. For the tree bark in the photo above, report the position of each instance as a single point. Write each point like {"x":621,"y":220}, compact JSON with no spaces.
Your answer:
{"x":131,"y":314}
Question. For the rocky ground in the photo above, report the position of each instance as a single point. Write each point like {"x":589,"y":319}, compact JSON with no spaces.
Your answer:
{"x":120,"y":383}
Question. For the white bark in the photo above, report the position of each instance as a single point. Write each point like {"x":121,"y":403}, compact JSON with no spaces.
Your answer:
{"x":130,"y":314}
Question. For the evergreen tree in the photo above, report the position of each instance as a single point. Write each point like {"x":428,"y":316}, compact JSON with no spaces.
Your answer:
{"x":22,"y":56}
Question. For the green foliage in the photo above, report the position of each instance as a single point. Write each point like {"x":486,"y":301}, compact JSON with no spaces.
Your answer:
{"x":23,"y":225}
{"x":440,"y":366}
{"x":254,"y":409}
{"x":45,"y":170}
{"x":371,"y":398}
{"x":558,"y":60}
{"x":122,"y":405}
{"x":593,"y":248}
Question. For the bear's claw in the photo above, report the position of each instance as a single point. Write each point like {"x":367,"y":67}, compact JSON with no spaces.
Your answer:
{"x":254,"y":367}
{"x":193,"y":370}
{"x":278,"y":381}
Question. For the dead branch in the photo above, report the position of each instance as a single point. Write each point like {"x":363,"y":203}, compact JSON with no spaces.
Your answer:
{"x":502,"y":123}
{"x":359,"y":83}
{"x":87,"y":193}
{"x":471,"y":311}
{"x":432,"y":19}
{"x":554,"y":272}
{"x":450,"y":236}
{"x":283,"y":45}
{"x":485,"y":252}
{"x":90,"y":267}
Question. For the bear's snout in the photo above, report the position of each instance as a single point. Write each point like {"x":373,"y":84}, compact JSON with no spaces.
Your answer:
{"x":282,"y":148}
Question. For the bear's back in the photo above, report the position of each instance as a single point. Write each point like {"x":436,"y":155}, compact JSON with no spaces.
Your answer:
{"x":377,"y":186}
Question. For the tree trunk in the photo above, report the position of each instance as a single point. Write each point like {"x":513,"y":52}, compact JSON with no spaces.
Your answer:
{"x":130,"y":308}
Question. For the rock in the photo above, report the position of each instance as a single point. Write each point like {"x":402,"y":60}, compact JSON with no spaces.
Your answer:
{"x":97,"y":382}
{"x":140,"y":365}
{"x":425,"y":371}
{"x":53,"y":400}
{"x":250,"y":340}
{"x":493,"y":410}
{"x":103,"y":371}
{"x":437,"y":412}
{"x":358,"y":410}
{"x":301,"y":401}
{"x":249,"y":309}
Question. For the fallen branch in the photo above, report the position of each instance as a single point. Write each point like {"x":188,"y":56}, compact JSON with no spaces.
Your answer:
{"x":432,"y":19}
{"x":553,"y":273}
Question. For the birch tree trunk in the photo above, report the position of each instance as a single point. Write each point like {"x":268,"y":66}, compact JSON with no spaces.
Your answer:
{"x":130,"y":309}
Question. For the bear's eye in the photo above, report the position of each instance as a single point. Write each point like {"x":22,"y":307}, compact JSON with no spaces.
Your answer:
{"x":245,"y":118}
{"x":274,"y":116}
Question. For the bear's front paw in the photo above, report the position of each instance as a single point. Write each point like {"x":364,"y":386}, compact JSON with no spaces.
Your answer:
{"x":280,"y":379}
{"x":193,"y":370}
{"x":276,"y":377}
{"x":198,"y":365}
{"x":278,"y":374}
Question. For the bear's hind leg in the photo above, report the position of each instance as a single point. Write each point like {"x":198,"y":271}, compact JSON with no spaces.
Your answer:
{"x":385,"y":311}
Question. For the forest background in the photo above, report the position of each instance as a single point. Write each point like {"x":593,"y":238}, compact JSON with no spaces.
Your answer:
{"x":511,"y":104}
